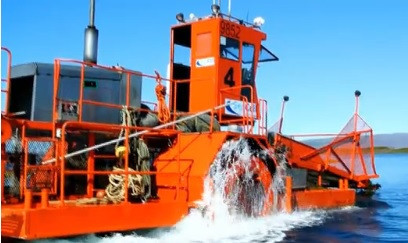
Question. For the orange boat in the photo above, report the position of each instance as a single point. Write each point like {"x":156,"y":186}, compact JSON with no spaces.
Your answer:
{"x":81,"y":153}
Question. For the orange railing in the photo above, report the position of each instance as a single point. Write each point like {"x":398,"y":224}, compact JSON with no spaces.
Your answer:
{"x":6,"y":80}
{"x":349,"y":154}
{"x":92,"y":126}
{"x":263,"y":120}
{"x":250,"y":109}
{"x":90,"y":172}
{"x":249,"y":114}
{"x":55,"y":145}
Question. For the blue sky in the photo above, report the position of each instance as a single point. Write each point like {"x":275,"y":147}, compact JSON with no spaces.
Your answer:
{"x":327,"y":49}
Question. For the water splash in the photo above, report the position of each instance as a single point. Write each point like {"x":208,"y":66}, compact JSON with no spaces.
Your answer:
{"x":230,"y":184}
{"x":220,"y":218}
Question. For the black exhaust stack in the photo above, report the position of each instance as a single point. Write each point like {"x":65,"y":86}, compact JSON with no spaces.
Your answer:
{"x":91,"y":37}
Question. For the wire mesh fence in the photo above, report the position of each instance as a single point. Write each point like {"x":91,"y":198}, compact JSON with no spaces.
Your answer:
{"x":40,"y":176}
{"x":13,"y":167}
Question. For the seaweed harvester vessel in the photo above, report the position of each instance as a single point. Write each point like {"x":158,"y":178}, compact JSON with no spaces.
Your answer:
{"x":81,"y":153}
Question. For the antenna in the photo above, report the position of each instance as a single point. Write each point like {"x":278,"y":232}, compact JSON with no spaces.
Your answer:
{"x":229,"y":7}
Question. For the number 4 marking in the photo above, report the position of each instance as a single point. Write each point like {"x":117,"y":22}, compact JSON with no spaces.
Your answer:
{"x":229,"y":77}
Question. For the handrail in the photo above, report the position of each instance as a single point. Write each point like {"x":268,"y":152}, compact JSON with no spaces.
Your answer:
{"x":81,"y":101}
{"x":248,"y":117}
{"x":136,"y":134}
{"x":263,"y":120}
{"x":126,"y":138}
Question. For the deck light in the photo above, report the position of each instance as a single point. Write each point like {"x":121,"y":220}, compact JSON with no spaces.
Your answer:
{"x":215,"y":9}
{"x":259,"y":21}
{"x":180,"y":17}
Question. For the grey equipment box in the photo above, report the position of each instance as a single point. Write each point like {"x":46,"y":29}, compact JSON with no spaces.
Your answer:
{"x":31,"y":92}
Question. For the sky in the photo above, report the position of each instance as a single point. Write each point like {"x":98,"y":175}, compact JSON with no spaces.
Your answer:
{"x":327,"y":50}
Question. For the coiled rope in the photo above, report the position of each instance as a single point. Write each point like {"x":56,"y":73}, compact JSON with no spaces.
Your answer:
{"x":115,"y":191}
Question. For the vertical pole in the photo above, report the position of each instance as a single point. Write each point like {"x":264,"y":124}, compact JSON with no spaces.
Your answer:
{"x":372,"y":151}
{"x":179,"y":165}
{"x":91,"y":165}
{"x":28,"y":199}
{"x":353,"y":155}
{"x":62,"y":173}
{"x":212,"y":121}
{"x":126,"y":154}
{"x":81,"y":92}
{"x":44,"y":198}
{"x":55,"y":174}
{"x":346,"y":184}
{"x":23,"y":176}
{"x":341,"y":185}
{"x":55,"y":96}
{"x":172,"y":82}
{"x":128,"y":90}
{"x":288,"y":194}
{"x":319,"y":180}
{"x":285,"y":99}
{"x":357,"y":95}
{"x":175,"y":103}
{"x":3,"y":169}
{"x":92,"y":13}
{"x":6,"y":102}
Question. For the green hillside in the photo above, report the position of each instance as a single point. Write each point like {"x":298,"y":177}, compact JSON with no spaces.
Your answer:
{"x":387,"y":150}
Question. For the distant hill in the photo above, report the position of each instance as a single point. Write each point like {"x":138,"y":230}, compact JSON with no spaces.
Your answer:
{"x":392,"y":140}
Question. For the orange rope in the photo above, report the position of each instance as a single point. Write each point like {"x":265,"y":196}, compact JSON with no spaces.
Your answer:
{"x":163,"y":110}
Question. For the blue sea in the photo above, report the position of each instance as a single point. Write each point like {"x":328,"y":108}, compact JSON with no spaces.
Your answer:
{"x":384,"y":218}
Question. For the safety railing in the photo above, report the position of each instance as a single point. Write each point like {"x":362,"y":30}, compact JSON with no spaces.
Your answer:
{"x":349,"y":154}
{"x":263,"y":120}
{"x":250,"y":108}
{"x":90,"y":159}
{"x":6,"y":81}
{"x":250,"y":112}
{"x":48,"y":178}
{"x":39,"y":177}
{"x":21,"y":157}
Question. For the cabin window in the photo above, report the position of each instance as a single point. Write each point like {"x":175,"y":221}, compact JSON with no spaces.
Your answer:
{"x":229,"y":48}
{"x":248,"y":59}
{"x":266,"y":55}
{"x":181,"y":69}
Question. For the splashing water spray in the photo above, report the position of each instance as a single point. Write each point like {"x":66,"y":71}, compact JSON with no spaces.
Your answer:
{"x":241,"y":185}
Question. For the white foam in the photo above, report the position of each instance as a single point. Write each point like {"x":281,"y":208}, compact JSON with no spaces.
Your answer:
{"x":195,"y":228}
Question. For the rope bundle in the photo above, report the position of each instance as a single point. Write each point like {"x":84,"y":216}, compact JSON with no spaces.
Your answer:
{"x":115,"y":191}
{"x":162,"y":109}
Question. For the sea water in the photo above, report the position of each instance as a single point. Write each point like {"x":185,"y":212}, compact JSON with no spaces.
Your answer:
{"x":380,"y":219}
